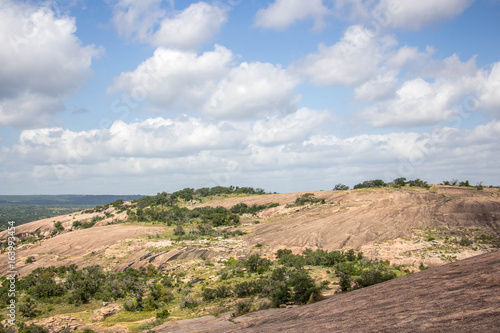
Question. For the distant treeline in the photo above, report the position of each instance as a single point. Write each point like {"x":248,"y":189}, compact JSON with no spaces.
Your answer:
{"x":189,"y":194}
{"x":27,"y":208}
{"x":398,"y":182}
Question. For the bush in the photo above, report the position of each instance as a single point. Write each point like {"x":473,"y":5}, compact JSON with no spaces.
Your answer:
{"x":292,"y":260}
{"x":46,"y":287}
{"x":341,"y":187}
{"x":282,"y":252}
{"x":281,"y":294}
{"x":28,"y":309}
{"x":243,"y":307}
{"x":30,"y":260}
{"x":58,"y":228}
{"x":374,"y":275}
{"x":249,"y":288}
{"x":163,"y":314}
{"x":189,"y":302}
{"x":209,"y":294}
{"x":32,"y":329}
{"x":255,"y":261}
{"x":345,"y":281}
{"x":179,"y":231}
{"x":370,"y":184}
{"x":304,"y":288}
{"x":308,"y":198}
{"x":131,"y":305}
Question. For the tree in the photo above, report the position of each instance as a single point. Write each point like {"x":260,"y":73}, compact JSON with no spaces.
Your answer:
{"x":401,"y":181}
{"x":465,"y":184}
{"x":341,"y":187}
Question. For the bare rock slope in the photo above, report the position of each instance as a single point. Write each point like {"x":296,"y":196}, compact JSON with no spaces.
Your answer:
{"x":355,"y":218}
{"x":459,"y":297}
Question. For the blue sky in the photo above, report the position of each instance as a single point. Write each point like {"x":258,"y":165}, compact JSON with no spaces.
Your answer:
{"x":129,"y":96}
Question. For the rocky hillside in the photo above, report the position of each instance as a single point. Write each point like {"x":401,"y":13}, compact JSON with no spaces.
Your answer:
{"x":209,"y":258}
{"x":338,"y":219}
{"x":459,"y":297}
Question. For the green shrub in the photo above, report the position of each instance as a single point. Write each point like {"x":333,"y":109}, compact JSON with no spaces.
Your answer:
{"x":30,"y":260}
{"x":243,"y":307}
{"x":163,"y":314}
{"x":280,"y":294}
{"x":32,"y":329}
{"x":308,"y":198}
{"x":304,"y":288}
{"x":28,"y":309}
{"x":189,"y":302}
{"x":253,"y":263}
{"x":375,"y":274}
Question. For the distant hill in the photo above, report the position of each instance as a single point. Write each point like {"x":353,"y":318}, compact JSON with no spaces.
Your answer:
{"x":27,"y":208}
{"x":64,"y":200}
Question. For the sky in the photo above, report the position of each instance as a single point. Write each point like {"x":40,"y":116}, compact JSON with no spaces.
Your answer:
{"x":145,"y":96}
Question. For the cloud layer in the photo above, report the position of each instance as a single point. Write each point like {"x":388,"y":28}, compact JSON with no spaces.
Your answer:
{"x":42,"y":62}
{"x":189,"y":147}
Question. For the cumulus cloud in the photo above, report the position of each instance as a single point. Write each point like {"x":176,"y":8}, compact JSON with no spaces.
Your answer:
{"x":379,"y":88}
{"x":396,"y":14}
{"x":173,"y":79}
{"x":210,"y":83}
{"x":146,"y":21}
{"x":452,"y":88}
{"x":283,"y":13}
{"x":353,"y":60}
{"x":294,"y":127}
{"x":413,"y":15}
{"x":137,"y":20}
{"x":152,"y":138}
{"x":418,"y":102}
{"x":253,"y":89}
{"x":42,"y":62}
{"x":188,"y":152}
{"x":487,"y":93}
{"x":194,"y":26}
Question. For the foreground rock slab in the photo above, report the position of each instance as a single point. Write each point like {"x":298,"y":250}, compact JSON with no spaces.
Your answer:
{"x":460,"y":297}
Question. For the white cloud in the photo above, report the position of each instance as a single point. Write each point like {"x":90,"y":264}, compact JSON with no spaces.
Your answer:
{"x":414,"y":15}
{"x":42,"y":62}
{"x":28,"y":110}
{"x":418,"y":102}
{"x":283,"y":13}
{"x":137,"y":19}
{"x":147,"y":22}
{"x":253,"y":89}
{"x":194,"y":26}
{"x":173,"y":79}
{"x":353,"y":60}
{"x":152,"y":138}
{"x":380,"y":88}
{"x":158,"y":153}
{"x":487,"y":92}
{"x":397,"y":14}
{"x":294,"y":127}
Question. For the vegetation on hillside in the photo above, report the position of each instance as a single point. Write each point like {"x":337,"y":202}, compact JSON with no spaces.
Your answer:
{"x":398,"y":182}
{"x":232,"y":285}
